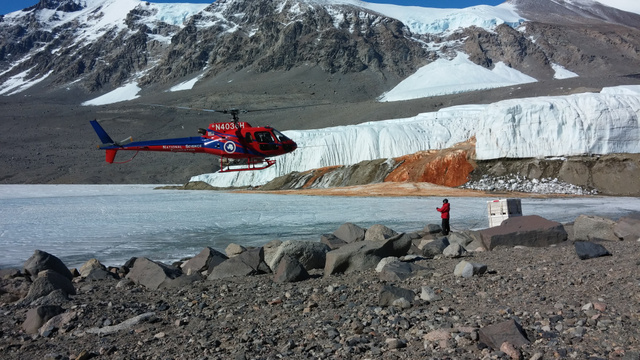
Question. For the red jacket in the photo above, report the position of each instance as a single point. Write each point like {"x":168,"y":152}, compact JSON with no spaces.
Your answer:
{"x":444,"y":210}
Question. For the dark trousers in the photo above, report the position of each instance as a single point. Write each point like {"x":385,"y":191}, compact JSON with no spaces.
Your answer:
{"x":445,"y":226}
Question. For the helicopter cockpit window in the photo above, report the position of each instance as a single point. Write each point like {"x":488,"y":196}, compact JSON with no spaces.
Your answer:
{"x":263,"y":137}
{"x":248,"y":137}
{"x":281,"y":137}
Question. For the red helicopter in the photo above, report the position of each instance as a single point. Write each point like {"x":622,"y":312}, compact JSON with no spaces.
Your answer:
{"x":240,"y":146}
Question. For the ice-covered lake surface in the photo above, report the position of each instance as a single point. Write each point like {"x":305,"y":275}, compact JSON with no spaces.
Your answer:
{"x":116,"y":222}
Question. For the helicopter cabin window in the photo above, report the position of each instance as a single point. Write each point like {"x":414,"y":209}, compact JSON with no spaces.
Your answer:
{"x":281,"y":137}
{"x":248,"y":137}
{"x":263,"y":137}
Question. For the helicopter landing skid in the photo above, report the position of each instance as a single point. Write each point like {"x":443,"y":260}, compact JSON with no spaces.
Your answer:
{"x":227,"y":165}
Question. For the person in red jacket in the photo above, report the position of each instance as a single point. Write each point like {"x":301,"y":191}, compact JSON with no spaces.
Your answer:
{"x":444,"y":210}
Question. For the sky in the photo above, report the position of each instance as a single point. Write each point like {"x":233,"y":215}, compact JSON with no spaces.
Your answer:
{"x":7,"y":6}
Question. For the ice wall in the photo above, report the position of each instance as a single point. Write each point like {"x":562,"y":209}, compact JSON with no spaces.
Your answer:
{"x":534,"y":127}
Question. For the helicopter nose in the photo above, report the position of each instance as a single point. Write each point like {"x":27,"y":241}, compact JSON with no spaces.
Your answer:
{"x":290,"y":146}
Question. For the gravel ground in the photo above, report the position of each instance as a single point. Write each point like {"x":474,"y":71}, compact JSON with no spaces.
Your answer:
{"x":569,"y":308}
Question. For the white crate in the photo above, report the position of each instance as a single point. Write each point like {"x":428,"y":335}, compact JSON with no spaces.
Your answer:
{"x":500,"y":210}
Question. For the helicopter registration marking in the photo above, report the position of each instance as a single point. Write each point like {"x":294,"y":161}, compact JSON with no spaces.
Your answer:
{"x":227,"y":126}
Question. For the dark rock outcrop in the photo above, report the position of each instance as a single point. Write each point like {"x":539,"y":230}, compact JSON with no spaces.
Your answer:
{"x":531,"y":230}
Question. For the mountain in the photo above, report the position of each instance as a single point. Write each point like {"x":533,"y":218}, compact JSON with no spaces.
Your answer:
{"x":312,"y":63}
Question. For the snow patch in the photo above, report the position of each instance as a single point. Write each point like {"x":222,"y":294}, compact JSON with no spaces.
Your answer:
{"x":445,"y":77}
{"x":562,"y":73}
{"x":125,"y":93}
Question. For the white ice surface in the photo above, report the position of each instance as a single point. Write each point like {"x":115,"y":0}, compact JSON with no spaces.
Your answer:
{"x":116,"y":222}
{"x":124,"y":93}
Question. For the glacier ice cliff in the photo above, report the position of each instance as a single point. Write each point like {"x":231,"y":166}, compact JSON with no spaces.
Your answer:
{"x":590,"y":123}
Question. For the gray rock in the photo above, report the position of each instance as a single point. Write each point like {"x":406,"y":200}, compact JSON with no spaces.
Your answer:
{"x":349,"y":233}
{"x":290,"y":270}
{"x":462,"y":238}
{"x":311,"y":255}
{"x":41,"y":261}
{"x":270,"y":249}
{"x":90,"y":265}
{"x":432,"y":229}
{"x":467,"y":269}
{"x":398,"y":271}
{"x":530,"y":231}
{"x":432,"y":248}
{"x":628,"y":228}
{"x":588,"y":250}
{"x":250,"y":262}
{"x":453,"y":251}
{"x":428,"y":294}
{"x":206,"y":260}
{"x":386,"y":261}
{"x":588,"y":227}
{"x":152,"y":274}
{"x":234,"y":250}
{"x":507,"y":331}
{"x":56,"y":297}
{"x":332,"y":241}
{"x":47,"y":282}
{"x":389,"y":294}
{"x":37,"y":317}
{"x":379,"y":232}
{"x":57,"y":322}
{"x":364,"y":255}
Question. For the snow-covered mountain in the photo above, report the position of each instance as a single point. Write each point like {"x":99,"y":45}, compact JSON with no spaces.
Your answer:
{"x":319,"y":63}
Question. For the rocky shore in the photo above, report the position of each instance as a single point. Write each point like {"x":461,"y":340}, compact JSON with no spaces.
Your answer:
{"x":527,"y":289}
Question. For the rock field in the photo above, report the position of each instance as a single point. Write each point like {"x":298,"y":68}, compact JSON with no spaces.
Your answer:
{"x":513,"y":302}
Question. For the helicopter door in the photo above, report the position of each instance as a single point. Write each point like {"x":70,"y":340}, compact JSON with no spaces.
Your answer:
{"x":266,"y":141}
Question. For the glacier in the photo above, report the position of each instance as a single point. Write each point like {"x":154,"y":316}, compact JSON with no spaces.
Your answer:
{"x":589,"y":123}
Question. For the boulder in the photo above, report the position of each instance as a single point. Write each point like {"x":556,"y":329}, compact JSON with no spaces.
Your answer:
{"x":507,"y":331}
{"x":234,"y":250}
{"x":332,"y":241}
{"x":467,"y":269}
{"x":588,"y":250}
{"x":100,"y":274}
{"x":13,"y":288}
{"x":47,"y":282}
{"x":37,"y":317}
{"x":628,"y":228}
{"x":462,"y":238}
{"x":431,"y":248}
{"x":270,"y":250}
{"x":250,"y":262}
{"x":152,"y":274}
{"x":290,"y":270}
{"x":90,"y":265}
{"x":432,"y":229}
{"x":206,"y":260}
{"x":379,"y":232}
{"x":453,"y":251}
{"x":531,"y":231}
{"x":364,"y":255}
{"x":349,"y":233}
{"x":60,"y":321}
{"x":41,"y":261}
{"x":386,"y":261}
{"x":389,"y":295}
{"x":430,"y":295}
{"x":587,"y":227}
{"x":311,"y":255}
{"x":399,"y":270}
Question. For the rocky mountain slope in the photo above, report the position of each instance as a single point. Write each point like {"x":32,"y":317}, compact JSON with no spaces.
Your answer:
{"x":312,"y":65}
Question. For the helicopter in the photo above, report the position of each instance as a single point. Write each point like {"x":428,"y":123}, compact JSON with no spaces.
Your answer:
{"x":240,"y":146}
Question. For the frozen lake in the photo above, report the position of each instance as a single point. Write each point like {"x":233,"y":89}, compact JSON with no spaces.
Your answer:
{"x":116,"y":222}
